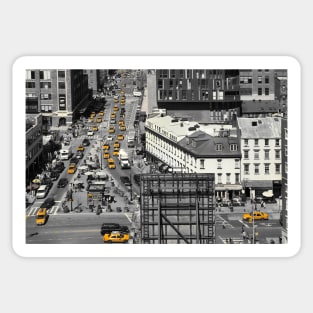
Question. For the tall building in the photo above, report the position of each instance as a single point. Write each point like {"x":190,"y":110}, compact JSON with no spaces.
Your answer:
{"x":216,"y":91}
{"x":257,"y":85}
{"x":57,"y":94}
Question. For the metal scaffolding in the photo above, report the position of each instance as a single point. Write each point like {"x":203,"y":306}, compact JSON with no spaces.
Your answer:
{"x":177,"y":208}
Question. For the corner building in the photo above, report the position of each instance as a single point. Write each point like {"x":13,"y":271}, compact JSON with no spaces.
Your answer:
{"x":56,"y":94}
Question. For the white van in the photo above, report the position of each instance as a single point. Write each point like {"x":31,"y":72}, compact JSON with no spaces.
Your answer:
{"x":42,"y":191}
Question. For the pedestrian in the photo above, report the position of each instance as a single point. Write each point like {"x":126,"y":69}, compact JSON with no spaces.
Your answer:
{"x":224,"y":224}
{"x":244,"y":235}
{"x":242,"y":228}
{"x":230,"y":240}
{"x":262,"y":204}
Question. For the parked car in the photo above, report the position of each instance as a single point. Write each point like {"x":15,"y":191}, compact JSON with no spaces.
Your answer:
{"x":62,"y":182}
{"x":90,"y":133}
{"x":59,"y":167}
{"x":54,"y":175}
{"x":110,"y":137}
{"x":107,"y":228}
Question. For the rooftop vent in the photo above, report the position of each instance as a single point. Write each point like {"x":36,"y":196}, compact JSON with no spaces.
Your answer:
{"x":197,"y":126}
{"x":174,"y":120}
{"x":184,"y":119}
{"x":191,"y":128}
{"x":259,"y":121}
{"x":254,"y":123}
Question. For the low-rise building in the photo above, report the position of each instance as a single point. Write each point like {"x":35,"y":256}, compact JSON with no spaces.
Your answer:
{"x":188,"y":147}
{"x":260,"y":141}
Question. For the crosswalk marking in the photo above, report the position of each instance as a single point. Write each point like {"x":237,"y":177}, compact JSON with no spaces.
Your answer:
{"x":33,"y":211}
{"x":220,"y":221}
{"x":233,"y":240}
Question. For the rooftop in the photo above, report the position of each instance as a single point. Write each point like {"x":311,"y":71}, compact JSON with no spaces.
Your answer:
{"x":265,"y":127}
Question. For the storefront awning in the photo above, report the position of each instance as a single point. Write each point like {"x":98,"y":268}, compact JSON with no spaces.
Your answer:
{"x":259,"y":184}
{"x":227,"y":187}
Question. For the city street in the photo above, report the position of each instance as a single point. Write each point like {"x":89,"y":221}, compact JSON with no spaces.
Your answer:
{"x":80,"y":228}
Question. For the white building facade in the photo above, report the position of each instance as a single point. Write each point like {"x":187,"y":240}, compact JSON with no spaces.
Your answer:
{"x":261,"y":154}
{"x":191,"y":148}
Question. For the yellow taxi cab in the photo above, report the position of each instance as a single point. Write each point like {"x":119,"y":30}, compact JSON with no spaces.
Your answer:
{"x":122,"y":102}
{"x":121,"y":122}
{"x":91,"y":119}
{"x":115,"y":99}
{"x":80,"y":148}
{"x":111,"y":163}
{"x":122,"y":92}
{"x":99,"y":119}
{"x":113,"y":115}
{"x":112,"y":130}
{"x":105,"y":146}
{"x":256,"y":215}
{"x":95,"y":128}
{"x":116,"y":236}
{"x":116,"y":144}
{"x":92,"y":114}
{"x":120,"y":137}
{"x":41,"y":216}
{"x":101,"y":113}
{"x":106,"y":155}
{"x":115,"y":108}
{"x":71,"y":168}
{"x":116,"y":151}
{"x":122,"y":127}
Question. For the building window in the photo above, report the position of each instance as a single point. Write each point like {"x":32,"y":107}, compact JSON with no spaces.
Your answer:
{"x":228,"y":178}
{"x":256,"y":142}
{"x":202,"y":164}
{"x":237,"y":163}
{"x":246,"y":80}
{"x":218,"y":147}
{"x":219,"y":178}
{"x":45,"y":85}
{"x":61,"y":74}
{"x":46,"y":108}
{"x":277,"y":169}
{"x":267,"y":91}
{"x":277,"y":142}
{"x":246,"y":169}
{"x":277,"y":154}
{"x":173,"y":74}
{"x":30,"y":85}
{"x":160,"y":84}
{"x":256,"y":169}
{"x":246,"y":142}
{"x":266,"y":154}
{"x":233,"y":147}
{"x":260,"y":79}
{"x":267,"y":80}
{"x":30,"y":74}
{"x":181,"y":73}
{"x":266,"y":169}
{"x":259,"y":91}
{"x":45,"y":96}
{"x":237,"y":178}
{"x":256,"y":154}
{"x":44,"y":75}
{"x":246,"y":154}
{"x":219,"y":163}
{"x":61,"y":85}
{"x":266,"y":142}
{"x":62,"y":102}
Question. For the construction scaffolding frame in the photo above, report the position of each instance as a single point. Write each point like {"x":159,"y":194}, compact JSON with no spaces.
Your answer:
{"x":177,"y":208}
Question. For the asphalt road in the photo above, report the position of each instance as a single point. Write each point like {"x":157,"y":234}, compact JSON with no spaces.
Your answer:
{"x":71,"y":228}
